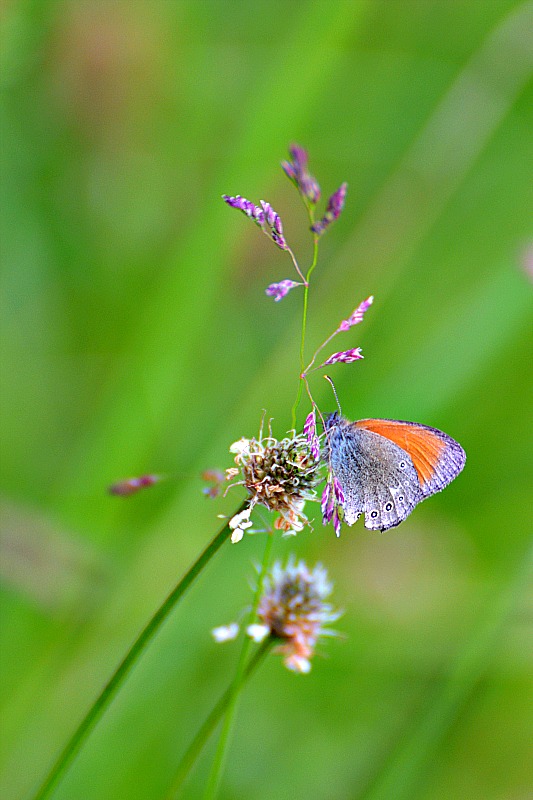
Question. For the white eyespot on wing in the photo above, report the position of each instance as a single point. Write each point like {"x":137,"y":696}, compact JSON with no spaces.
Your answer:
{"x":389,"y":482}
{"x":351,"y":514}
{"x":380,"y":509}
{"x":377,"y":477}
{"x":389,"y":514}
{"x":388,"y":506}
{"x":405,"y":497}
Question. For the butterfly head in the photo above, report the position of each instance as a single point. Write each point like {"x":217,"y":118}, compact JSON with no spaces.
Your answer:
{"x":332,"y":420}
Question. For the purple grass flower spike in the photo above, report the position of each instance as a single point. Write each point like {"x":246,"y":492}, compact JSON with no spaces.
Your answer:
{"x":332,"y":500}
{"x":296,"y":170}
{"x":263,"y":215}
{"x":357,"y":314}
{"x":279,"y":290}
{"x":272,"y":226}
{"x":327,"y":503}
{"x":333,"y":211}
{"x":271,"y":218}
{"x":310,"y":432}
{"x":132,"y":485}
{"x":339,"y":494}
{"x":246,"y":206}
{"x":310,"y":426}
{"x":344,"y":357}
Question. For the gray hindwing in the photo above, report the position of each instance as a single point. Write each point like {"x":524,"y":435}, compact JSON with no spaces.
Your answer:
{"x":376,"y":475}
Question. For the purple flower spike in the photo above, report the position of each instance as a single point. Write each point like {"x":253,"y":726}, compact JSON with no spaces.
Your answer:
{"x":246,"y":206}
{"x":272,"y":226}
{"x":310,"y":432}
{"x":357,"y":315}
{"x":263,"y":215}
{"x":299,"y":156}
{"x":344,"y":357}
{"x":132,"y":485}
{"x":296,"y":170}
{"x":310,"y":426}
{"x":327,"y":503}
{"x":339,"y":494}
{"x":333,"y":211}
{"x":271,"y":218}
{"x":279,"y":290}
{"x":337,"y":524}
{"x":289,"y":170}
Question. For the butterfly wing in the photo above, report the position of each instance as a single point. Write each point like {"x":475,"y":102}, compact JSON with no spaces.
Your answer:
{"x":437,"y":458}
{"x":377,"y":476}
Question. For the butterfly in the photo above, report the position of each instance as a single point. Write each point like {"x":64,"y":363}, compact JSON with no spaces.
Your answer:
{"x":387,"y":466}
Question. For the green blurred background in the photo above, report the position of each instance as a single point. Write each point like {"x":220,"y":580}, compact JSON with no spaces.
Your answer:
{"x":136,"y":337}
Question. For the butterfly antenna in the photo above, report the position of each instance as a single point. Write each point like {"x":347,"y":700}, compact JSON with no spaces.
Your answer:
{"x":334,"y":392}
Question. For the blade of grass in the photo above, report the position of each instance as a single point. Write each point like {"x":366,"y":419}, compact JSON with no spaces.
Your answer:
{"x":225,"y":735}
{"x":212,"y":720}
{"x":113,"y":684}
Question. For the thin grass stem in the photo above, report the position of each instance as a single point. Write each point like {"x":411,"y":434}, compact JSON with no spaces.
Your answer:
{"x":296,"y":266}
{"x":310,"y":367}
{"x":115,"y":681}
{"x":225,"y":736}
{"x":304,"y":322}
{"x":212,"y":720}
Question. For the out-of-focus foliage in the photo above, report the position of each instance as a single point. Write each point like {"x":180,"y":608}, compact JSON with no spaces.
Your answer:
{"x":136,"y":337}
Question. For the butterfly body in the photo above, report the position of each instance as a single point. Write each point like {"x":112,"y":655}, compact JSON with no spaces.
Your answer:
{"x":386,"y":467}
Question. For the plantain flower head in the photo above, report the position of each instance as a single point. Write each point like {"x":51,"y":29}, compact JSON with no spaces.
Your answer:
{"x":278,"y":474}
{"x":293,"y":609}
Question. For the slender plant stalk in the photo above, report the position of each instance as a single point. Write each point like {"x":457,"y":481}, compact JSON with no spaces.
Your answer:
{"x":304,"y":322}
{"x":223,"y":743}
{"x":210,"y":723}
{"x":113,"y":684}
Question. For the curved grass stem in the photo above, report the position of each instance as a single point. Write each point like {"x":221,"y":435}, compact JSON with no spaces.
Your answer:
{"x":103,"y":700}
{"x":225,"y":736}
{"x":211,"y":721}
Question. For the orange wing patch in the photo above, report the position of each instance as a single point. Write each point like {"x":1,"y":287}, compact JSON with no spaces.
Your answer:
{"x":422,"y":444}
